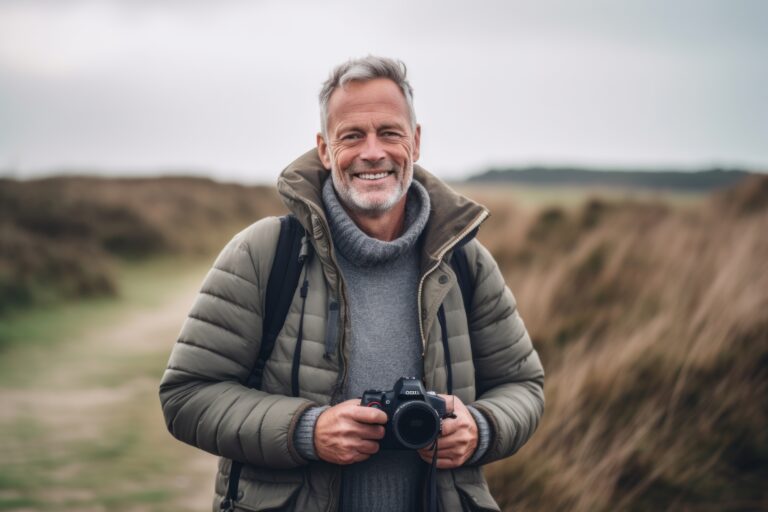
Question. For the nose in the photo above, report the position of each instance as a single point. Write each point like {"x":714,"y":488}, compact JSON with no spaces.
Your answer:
{"x":373,"y":150}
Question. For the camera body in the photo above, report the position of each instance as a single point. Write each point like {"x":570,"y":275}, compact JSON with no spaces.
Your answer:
{"x":413,"y":414}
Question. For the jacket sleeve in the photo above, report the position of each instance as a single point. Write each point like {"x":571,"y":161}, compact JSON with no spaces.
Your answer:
{"x":204,"y":401}
{"x":509,"y":375}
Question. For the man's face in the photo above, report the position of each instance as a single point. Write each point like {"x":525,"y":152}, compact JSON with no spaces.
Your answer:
{"x":371,"y":147}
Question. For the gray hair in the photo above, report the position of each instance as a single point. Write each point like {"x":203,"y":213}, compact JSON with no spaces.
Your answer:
{"x":363,"y":70}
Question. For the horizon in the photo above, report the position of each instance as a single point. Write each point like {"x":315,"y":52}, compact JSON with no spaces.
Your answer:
{"x":475,"y":178}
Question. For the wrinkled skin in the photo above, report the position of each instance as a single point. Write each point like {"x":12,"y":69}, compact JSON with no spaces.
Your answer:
{"x":458,"y":438}
{"x":348,"y":433}
{"x":369,"y":134}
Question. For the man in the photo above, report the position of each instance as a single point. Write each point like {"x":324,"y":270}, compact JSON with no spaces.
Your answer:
{"x":383,"y":231}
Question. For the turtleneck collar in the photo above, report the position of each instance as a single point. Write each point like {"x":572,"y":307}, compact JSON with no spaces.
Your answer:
{"x":363,"y":250}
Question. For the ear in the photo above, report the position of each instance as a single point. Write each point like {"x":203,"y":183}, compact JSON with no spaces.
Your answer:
{"x":417,"y":143}
{"x":323,"y":152}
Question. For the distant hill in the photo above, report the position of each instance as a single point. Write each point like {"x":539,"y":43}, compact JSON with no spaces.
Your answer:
{"x":60,"y":237}
{"x":557,"y":176}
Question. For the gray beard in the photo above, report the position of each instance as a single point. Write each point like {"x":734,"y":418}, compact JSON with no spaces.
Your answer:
{"x":347,"y":196}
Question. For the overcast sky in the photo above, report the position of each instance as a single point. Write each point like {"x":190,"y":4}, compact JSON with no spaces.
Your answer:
{"x":228,"y":88}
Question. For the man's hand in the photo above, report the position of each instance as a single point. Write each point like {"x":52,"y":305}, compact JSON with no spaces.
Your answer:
{"x":458,"y":440}
{"x":349,"y":432}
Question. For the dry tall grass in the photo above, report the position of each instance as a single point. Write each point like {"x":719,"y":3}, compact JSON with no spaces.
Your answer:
{"x":59,"y":237}
{"x":652,"y":323}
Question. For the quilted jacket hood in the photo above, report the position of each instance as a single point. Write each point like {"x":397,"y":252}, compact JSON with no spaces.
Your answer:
{"x":452,"y":218}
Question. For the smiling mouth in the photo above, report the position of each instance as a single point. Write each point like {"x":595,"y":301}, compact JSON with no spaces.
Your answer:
{"x":372,"y":176}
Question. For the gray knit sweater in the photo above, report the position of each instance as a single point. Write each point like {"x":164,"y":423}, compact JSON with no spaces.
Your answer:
{"x":381,"y":281}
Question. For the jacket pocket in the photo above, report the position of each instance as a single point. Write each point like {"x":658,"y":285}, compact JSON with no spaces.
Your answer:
{"x":262,"y":489}
{"x":262,"y":496}
{"x":476,"y":497}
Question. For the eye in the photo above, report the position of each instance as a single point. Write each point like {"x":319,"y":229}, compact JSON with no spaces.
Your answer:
{"x":351,"y":136}
{"x":390,"y":133}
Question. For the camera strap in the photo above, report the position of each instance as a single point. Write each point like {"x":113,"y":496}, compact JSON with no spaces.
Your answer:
{"x":432,"y":481}
{"x":431,"y":505}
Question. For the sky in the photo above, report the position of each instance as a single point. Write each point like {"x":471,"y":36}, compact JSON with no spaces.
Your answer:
{"x":229,"y":88}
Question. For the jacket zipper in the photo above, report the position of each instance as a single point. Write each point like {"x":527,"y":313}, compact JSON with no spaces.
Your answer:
{"x":343,"y":317}
{"x":343,"y":311}
{"x":341,"y":298}
{"x":450,"y":244}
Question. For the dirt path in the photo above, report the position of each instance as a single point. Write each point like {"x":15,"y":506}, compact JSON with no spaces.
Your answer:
{"x":88,"y":433}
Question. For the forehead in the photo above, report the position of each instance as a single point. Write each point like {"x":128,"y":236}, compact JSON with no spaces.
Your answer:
{"x":369,"y":100}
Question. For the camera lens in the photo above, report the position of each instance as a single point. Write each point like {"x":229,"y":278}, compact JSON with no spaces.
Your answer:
{"x":416,"y":424}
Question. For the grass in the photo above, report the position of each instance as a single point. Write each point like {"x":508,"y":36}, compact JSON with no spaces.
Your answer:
{"x":41,"y":330}
{"x":569,"y":197}
{"x":142,"y":284}
{"x":82,"y":427}
{"x":125,"y":466}
{"x":650,"y":320}
{"x":648,"y":312}
{"x":61,"y":237}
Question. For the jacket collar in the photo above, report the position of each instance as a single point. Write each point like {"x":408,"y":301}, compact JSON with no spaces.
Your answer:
{"x":453,"y":218}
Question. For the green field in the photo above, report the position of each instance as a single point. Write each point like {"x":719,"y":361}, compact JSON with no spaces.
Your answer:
{"x":81,"y":427}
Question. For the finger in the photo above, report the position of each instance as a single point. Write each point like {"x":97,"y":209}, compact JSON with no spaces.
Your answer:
{"x":461,"y":441}
{"x":447,"y":463}
{"x":360,"y":457}
{"x":453,"y":453}
{"x":368,"y":431}
{"x":448,"y":444}
{"x":368,"y":447}
{"x":445,"y":460}
{"x":368,"y":415}
{"x":426,"y":457}
{"x":449,"y":426}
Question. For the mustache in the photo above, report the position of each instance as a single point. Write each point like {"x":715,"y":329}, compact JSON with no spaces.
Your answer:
{"x":380,"y":166}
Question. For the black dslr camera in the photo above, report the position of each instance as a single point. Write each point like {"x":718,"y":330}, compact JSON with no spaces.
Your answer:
{"x":413,"y":414}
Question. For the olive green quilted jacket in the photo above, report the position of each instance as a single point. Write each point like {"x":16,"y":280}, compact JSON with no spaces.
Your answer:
{"x":206,"y":404}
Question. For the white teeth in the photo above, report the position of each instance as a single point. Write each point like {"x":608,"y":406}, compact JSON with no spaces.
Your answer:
{"x":376,"y":176}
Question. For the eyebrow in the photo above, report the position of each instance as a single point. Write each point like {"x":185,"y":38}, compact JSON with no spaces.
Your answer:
{"x":390,"y":126}
{"x":356,"y":127}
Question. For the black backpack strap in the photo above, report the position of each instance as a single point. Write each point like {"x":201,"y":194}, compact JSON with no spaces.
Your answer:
{"x":446,"y":349}
{"x":460,"y":266}
{"x":283,"y":279}
{"x":281,"y":286}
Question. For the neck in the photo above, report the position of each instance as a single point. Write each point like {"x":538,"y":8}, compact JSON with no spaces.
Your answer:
{"x":385,"y":226}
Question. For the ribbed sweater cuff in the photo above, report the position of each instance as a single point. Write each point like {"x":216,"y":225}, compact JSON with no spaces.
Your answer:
{"x":483,"y":435}
{"x":304,"y":435}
